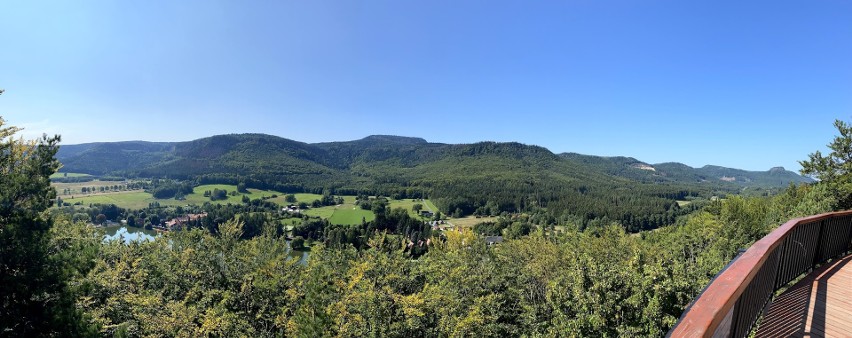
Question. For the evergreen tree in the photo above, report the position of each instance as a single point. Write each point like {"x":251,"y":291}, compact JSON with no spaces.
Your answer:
{"x":32,"y":282}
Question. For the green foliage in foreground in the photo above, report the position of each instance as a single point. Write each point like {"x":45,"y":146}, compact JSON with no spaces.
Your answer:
{"x":602,"y":282}
{"x":36,"y":264}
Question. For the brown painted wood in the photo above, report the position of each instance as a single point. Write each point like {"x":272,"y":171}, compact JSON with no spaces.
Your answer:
{"x":707,"y":311}
{"x":820,"y":305}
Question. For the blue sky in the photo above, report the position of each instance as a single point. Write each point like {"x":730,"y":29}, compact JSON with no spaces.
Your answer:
{"x":747,"y":84}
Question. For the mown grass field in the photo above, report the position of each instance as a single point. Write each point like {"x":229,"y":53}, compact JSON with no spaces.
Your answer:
{"x":349,"y":213}
{"x":342,"y":214}
{"x":351,"y":216}
{"x":197,"y":196}
{"x":125,"y":199}
{"x":407,"y":204}
{"x":346,"y":213}
{"x":469,"y":221}
{"x":139,"y":199}
{"x":77,"y":188}
{"x":430,"y":206}
{"x":307,"y":198}
{"x":323,"y":212}
{"x":61,"y":175}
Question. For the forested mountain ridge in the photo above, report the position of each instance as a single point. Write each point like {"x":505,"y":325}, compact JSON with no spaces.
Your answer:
{"x":484,"y":178}
{"x":148,"y":158}
{"x":110,"y":158}
{"x":681,"y":173}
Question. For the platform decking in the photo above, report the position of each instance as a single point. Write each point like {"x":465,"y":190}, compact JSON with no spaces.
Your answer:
{"x":820,"y":305}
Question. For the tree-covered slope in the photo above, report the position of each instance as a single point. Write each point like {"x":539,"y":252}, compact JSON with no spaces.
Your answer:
{"x":673,"y":172}
{"x":404,"y":151}
{"x":480,"y":178}
{"x":114,"y":158}
{"x":257,"y":158}
{"x":247,"y":155}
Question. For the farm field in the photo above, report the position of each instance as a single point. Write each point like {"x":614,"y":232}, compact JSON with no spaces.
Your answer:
{"x":126,"y":199}
{"x":76,"y":188}
{"x":346,"y":213}
{"x":197,"y":196}
{"x":61,"y":175}
{"x":404,"y":203}
{"x":351,"y":216}
{"x":407,"y":204}
{"x":470,"y":221}
{"x":342,"y":214}
{"x":349,"y":213}
{"x":139,"y":199}
{"x":323,"y":212}
{"x":428,"y":203}
{"x":289,"y":223}
{"x":307,"y":198}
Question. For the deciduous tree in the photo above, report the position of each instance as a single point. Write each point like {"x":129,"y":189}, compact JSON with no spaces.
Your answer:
{"x":835,"y":169}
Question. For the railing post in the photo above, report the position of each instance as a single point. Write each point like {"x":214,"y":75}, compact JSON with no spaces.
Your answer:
{"x":726,"y":327}
{"x":735,"y":318}
{"x":736,"y":309}
{"x":782,"y":256}
{"x":849,"y":240}
{"x":818,"y":246}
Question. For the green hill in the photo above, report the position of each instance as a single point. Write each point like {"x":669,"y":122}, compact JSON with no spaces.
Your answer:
{"x":673,"y":172}
{"x":114,"y":158}
{"x":480,"y":178}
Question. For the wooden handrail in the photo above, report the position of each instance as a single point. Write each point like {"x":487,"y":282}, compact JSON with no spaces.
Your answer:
{"x":708,"y":311}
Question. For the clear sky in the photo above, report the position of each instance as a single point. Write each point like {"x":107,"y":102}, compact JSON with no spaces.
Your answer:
{"x":746,"y":84}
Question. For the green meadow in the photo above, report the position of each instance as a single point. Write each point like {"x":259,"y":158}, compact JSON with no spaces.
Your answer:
{"x":322,"y":212}
{"x":307,"y":198}
{"x":140,"y":199}
{"x":342,"y":214}
{"x":76,"y":188}
{"x":349,"y":213}
{"x":346,"y":213}
{"x":125,"y":199}
{"x":61,"y":175}
{"x":427,"y":204}
{"x":407,"y":204}
{"x":351,"y":216}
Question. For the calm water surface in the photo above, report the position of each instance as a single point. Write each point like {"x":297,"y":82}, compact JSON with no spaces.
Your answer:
{"x":302,"y":256}
{"x":130,"y":234}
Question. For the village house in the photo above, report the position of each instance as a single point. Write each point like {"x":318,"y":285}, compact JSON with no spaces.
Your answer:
{"x":291,"y":209}
{"x":491,"y":240}
{"x":179,"y":222}
{"x":441,"y":225}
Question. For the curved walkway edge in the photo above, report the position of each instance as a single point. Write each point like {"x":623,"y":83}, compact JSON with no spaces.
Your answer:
{"x":819,"y":305}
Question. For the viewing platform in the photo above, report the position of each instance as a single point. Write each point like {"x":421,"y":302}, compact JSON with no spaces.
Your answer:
{"x":820,"y":305}
{"x":815,"y":251}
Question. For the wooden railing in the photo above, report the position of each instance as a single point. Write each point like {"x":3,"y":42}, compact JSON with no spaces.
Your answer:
{"x":733,"y":301}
